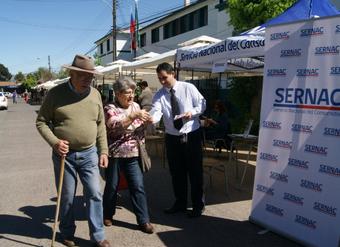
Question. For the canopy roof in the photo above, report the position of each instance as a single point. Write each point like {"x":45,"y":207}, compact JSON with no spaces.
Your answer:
{"x":169,"y":56}
{"x":113,"y":67}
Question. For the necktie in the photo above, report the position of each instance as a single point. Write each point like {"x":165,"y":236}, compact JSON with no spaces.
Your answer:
{"x":175,"y":110}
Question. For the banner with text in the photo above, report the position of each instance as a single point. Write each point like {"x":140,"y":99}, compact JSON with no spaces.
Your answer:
{"x":297,"y":180}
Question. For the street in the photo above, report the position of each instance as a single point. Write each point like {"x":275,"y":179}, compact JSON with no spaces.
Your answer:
{"x":28,"y":196}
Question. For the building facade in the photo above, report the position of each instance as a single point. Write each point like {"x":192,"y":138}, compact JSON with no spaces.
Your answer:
{"x":203,"y":17}
{"x":105,"y":49}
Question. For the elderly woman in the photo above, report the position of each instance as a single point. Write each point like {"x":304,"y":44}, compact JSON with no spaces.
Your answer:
{"x":125,"y":123}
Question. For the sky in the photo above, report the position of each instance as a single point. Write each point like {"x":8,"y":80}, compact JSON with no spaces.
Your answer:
{"x":32,"y":30}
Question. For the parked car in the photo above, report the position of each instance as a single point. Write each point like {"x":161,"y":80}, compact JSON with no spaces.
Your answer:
{"x":8,"y":94}
{"x":3,"y":101}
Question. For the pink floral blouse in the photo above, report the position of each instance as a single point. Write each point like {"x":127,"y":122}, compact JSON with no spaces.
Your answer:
{"x":123,"y":141}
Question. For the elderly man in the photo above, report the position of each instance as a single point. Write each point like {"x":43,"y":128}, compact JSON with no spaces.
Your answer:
{"x":71,"y":120}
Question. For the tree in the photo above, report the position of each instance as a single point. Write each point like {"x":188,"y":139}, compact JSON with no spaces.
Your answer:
{"x":97,"y":60}
{"x":20,"y":77}
{"x":62,"y":74}
{"x":43,"y":74}
{"x":4,"y":73}
{"x":246,"y":14}
{"x":31,"y":81}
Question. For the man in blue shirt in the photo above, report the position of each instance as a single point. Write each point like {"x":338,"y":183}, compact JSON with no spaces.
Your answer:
{"x":180,"y":104}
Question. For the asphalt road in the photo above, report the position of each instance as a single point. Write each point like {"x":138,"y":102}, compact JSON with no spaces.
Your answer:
{"x":28,"y":192}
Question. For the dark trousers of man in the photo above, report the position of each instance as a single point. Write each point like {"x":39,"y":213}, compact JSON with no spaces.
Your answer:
{"x":185,"y":160}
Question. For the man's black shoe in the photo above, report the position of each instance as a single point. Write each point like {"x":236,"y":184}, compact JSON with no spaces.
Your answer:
{"x":175,"y":209}
{"x":195,"y":213}
{"x":69,"y":242}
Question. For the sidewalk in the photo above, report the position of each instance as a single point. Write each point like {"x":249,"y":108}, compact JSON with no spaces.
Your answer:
{"x":27,"y":204}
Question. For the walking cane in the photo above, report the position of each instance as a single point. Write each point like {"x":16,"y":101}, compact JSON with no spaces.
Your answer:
{"x":60,"y":187}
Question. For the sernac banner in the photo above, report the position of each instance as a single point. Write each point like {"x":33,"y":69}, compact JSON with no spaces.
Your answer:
{"x":297,"y":180}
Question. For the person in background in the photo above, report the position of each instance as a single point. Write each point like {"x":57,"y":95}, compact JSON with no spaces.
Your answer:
{"x":181,"y":104}
{"x":14,"y":97}
{"x":26,"y":96}
{"x":218,"y":127}
{"x":71,"y":120}
{"x":145,"y":98}
{"x":125,"y":125}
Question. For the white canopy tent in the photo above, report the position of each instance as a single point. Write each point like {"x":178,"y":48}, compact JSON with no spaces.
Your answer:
{"x":169,"y":56}
{"x":151,"y":62}
{"x":50,"y":84}
{"x":113,"y":67}
{"x":146,"y":55}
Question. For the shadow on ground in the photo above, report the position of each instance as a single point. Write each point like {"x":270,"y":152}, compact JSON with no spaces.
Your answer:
{"x":34,"y":226}
{"x":206,"y":230}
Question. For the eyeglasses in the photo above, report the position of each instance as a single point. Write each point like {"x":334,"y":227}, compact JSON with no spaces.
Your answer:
{"x":128,"y":93}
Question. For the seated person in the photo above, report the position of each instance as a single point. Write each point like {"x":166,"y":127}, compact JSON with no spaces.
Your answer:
{"x":218,"y":127}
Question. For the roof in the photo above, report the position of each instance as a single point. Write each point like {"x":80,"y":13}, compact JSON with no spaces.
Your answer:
{"x":7,"y":83}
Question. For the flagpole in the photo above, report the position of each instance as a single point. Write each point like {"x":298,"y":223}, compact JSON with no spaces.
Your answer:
{"x":135,"y":35}
{"x":114,"y":31}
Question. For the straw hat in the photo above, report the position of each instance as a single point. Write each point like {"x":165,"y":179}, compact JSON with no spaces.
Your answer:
{"x":84,"y":64}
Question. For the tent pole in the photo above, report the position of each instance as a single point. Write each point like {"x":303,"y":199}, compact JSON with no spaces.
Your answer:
{"x":310,"y":9}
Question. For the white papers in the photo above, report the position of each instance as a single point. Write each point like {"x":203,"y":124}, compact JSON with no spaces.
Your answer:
{"x":179,"y":116}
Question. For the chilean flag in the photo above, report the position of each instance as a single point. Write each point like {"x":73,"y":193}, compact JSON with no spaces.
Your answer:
{"x":133,"y":33}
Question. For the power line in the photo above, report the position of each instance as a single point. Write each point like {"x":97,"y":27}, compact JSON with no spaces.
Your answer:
{"x":54,"y":1}
{"x":150,"y":18}
{"x":155,"y":16}
{"x":5,"y":19}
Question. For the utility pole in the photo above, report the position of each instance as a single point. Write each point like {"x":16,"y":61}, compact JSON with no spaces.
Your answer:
{"x":114,"y":31}
{"x":49,"y":63}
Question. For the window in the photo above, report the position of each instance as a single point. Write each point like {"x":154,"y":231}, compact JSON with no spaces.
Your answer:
{"x":166,"y":31}
{"x":203,"y":16}
{"x":108,"y":45}
{"x":186,"y":23}
{"x":143,"y":40}
{"x":101,"y":48}
{"x":155,"y":35}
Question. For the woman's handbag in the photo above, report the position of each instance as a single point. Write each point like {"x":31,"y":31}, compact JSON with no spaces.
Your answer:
{"x":144,"y":158}
{"x":123,"y":185}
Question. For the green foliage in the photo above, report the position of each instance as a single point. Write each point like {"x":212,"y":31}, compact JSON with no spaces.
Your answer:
{"x":31,"y":81}
{"x":43,"y":74}
{"x":62,"y":74}
{"x":246,"y":14}
{"x":97,"y":60}
{"x":20,"y":77}
{"x":245,"y":99}
{"x":4,"y":73}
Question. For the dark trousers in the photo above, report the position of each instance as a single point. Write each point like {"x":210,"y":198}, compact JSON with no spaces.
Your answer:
{"x":185,"y":160}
